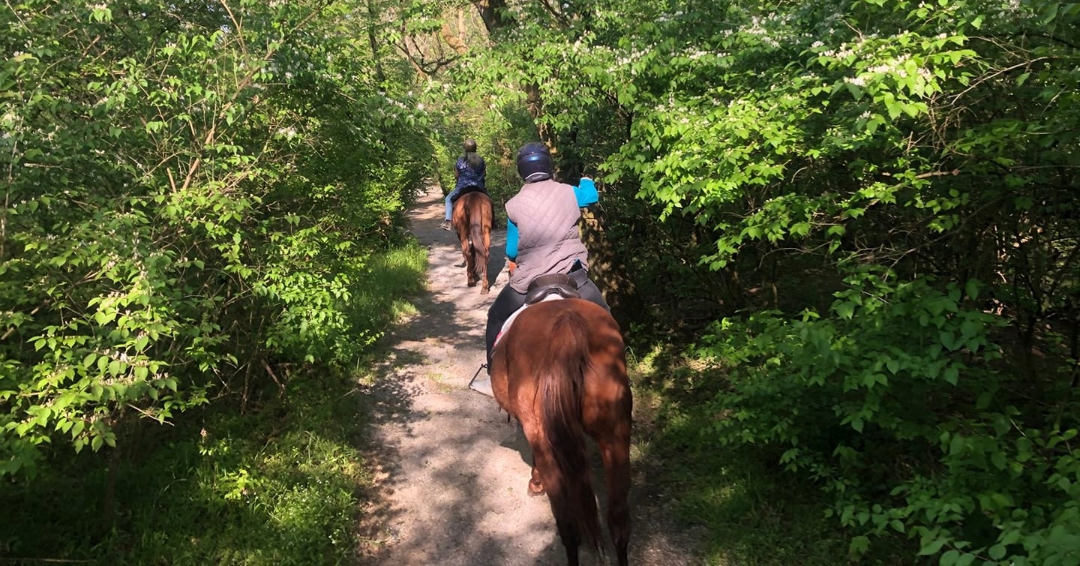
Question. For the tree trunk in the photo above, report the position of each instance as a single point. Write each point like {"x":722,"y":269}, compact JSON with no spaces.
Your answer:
{"x":373,"y":42}
{"x":492,"y":12}
{"x":607,"y":271}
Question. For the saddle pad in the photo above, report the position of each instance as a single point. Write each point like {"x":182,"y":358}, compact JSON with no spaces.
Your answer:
{"x":510,"y":320}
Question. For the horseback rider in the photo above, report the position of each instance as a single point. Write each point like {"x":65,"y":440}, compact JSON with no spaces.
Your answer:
{"x":542,"y":238}
{"x":470,"y":173}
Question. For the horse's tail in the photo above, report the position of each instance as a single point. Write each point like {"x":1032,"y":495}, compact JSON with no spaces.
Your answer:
{"x":563,"y":387}
{"x":479,"y":225}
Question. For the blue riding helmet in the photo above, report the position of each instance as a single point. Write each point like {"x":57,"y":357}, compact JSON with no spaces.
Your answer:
{"x":534,"y":162}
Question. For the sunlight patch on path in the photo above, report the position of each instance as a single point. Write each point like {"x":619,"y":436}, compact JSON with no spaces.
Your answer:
{"x":452,"y":471}
{"x":455,"y":469}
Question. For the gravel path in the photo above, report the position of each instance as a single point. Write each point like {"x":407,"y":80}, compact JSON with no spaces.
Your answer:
{"x":451,"y":487}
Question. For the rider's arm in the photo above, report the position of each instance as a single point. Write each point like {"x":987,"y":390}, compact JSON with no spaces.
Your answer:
{"x":511,"y":240}
{"x":586,"y":192}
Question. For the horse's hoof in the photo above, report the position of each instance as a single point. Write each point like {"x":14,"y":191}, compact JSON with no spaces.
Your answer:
{"x":484,"y":291}
{"x":462,"y":264}
{"x":536,"y":489}
{"x":472,"y":283}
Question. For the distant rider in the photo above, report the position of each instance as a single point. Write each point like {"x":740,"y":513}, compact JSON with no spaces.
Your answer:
{"x":470,"y":173}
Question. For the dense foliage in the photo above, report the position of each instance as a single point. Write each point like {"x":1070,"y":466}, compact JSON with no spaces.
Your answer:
{"x":192,"y":190}
{"x":866,"y":212}
{"x":203,"y":205}
{"x":855,"y":220}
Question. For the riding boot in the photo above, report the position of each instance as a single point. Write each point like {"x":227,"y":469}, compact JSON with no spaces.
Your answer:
{"x":508,"y":301}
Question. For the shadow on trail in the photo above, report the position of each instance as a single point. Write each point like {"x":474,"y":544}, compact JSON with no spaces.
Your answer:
{"x":451,"y":443}
{"x":452,"y":472}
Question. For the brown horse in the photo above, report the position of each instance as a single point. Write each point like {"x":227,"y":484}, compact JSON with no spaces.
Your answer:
{"x":561,"y":370}
{"x":472,"y":220}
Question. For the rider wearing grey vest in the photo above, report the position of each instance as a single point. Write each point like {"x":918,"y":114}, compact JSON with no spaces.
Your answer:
{"x":546,"y":214}
{"x":542,"y":238}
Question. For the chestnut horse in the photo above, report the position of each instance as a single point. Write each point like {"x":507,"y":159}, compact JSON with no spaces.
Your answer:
{"x":560,"y":369}
{"x":472,"y":220}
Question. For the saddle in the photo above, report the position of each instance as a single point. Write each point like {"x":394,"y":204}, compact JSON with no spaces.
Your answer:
{"x":560,"y":284}
{"x":466,"y":190}
{"x":544,"y":288}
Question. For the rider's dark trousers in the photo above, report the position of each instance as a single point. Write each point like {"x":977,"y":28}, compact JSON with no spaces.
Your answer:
{"x":510,"y":300}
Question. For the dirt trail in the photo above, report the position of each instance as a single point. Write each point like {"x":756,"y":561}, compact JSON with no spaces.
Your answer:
{"x":453,"y":471}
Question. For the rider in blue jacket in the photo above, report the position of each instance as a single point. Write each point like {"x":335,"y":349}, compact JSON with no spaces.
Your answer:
{"x":542,"y":237}
{"x":470,"y":173}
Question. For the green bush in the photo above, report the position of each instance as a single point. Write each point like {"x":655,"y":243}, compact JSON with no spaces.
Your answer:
{"x":899,"y":408}
{"x":193,"y":196}
{"x":876,"y":200}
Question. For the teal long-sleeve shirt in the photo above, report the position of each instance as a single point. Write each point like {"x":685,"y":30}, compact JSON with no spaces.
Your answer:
{"x":586,"y":194}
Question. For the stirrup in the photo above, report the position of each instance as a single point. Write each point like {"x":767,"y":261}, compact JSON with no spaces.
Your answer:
{"x":481,"y":385}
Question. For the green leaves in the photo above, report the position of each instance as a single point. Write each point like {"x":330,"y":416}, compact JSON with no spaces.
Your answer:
{"x":157,"y":178}
{"x":880,"y":374}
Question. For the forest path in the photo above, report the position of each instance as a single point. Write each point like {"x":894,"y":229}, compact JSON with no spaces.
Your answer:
{"x":451,"y":487}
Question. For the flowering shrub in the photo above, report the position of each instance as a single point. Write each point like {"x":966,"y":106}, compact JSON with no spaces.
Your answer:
{"x":873,"y":201}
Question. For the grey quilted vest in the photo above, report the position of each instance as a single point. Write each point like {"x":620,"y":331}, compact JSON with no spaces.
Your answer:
{"x":546,"y":214}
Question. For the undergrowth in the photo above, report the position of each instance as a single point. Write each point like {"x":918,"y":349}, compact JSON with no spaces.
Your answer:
{"x":276,"y":480}
{"x":750,"y":510}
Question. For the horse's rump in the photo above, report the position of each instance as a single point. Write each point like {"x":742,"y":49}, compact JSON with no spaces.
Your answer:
{"x":472,"y":218}
{"x":562,"y":365}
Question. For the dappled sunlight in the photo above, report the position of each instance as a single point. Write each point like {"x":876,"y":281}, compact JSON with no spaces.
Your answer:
{"x":454,"y":471}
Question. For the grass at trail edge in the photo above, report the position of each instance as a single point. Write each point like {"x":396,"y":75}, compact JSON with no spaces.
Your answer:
{"x":280,"y":484}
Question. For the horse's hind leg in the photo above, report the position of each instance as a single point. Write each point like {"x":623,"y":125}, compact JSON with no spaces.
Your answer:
{"x":553,"y":484}
{"x":485,"y":286}
{"x":556,"y":491}
{"x":615,"y":452}
{"x":466,"y":254}
{"x":540,"y":455}
{"x":536,"y":486}
{"x":485,"y":258}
